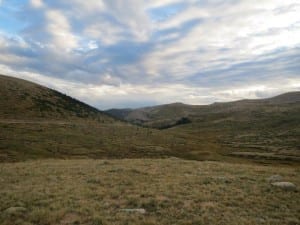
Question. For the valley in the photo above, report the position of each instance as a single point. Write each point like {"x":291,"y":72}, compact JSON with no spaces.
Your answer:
{"x":63,"y":162}
{"x":37,"y":122}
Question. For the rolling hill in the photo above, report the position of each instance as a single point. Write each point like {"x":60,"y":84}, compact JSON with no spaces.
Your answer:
{"x":22,"y":99}
{"x":166,"y":116}
{"x":37,"y":122}
{"x":263,"y":128}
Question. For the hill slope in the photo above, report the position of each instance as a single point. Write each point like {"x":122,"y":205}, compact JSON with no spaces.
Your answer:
{"x":37,"y":122}
{"x":165,"y":116}
{"x":22,"y":99}
{"x":266,"y":128}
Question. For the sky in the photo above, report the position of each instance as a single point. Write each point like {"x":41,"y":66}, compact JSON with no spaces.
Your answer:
{"x":135,"y":53}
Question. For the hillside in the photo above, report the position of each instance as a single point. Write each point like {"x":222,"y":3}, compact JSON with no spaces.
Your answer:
{"x":37,"y":122}
{"x":22,"y":99}
{"x":165,"y":116}
{"x":162,"y":116}
{"x":265,"y":128}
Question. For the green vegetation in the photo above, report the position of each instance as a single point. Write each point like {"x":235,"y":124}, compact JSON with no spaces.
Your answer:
{"x":181,"y":121}
{"x":54,"y":139}
{"x":171,"y":191}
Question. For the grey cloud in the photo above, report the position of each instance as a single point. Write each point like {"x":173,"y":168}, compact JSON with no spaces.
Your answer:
{"x":117,"y":45}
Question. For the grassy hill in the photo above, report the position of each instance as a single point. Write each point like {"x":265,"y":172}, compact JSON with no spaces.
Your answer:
{"x":268,"y":128}
{"x":265,"y":128}
{"x":143,"y":178}
{"x":22,"y":99}
{"x":37,"y":122}
{"x":165,"y":116}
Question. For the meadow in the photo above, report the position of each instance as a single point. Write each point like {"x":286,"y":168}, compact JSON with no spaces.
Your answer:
{"x":144,"y":192}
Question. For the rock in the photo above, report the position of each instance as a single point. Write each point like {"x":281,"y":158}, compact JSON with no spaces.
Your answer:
{"x":70,"y":218}
{"x":174,"y":158}
{"x":288,"y":186}
{"x":15,"y":210}
{"x":142,"y":211}
{"x":274,"y":178}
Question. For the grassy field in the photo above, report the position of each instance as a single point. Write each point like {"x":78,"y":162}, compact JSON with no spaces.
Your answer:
{"x":37,"y":122}
{"x":21,"y":140}
{"x":166,"y":191}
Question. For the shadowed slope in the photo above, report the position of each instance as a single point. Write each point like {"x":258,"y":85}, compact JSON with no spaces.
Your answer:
{"x":21,"y":99}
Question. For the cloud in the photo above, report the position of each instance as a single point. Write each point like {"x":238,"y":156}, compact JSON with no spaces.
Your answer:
{"x":131,"y":53}
{"x":59,"y":28}
{"x":37,"y":3}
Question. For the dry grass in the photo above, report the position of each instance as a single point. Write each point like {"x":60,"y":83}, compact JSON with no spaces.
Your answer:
{"x":36,"y":123}
{"x":22,"y":140}
{"x":172,"y":191}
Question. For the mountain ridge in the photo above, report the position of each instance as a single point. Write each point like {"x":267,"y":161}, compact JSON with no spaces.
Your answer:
{"x":175,"y":111}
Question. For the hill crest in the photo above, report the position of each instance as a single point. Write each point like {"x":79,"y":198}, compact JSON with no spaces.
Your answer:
{"x":168,"y":115}
{"x":23,"y":99}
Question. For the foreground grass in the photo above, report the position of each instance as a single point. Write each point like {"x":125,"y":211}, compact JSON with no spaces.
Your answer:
{"x":172,"y":191}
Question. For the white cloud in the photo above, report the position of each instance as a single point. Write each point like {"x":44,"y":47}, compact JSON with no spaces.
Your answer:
{"x":108,"y":52}
{"x":159,"y":3}
{"x":106,"y":96}
{"x":240,"y":28}
{"x":37,"y":3}
{"x":59,"y":28}
{"x":255,"y":91}
{"x":105,"y":32}
{"x":132,"y":14}
{"x":89,"y":6}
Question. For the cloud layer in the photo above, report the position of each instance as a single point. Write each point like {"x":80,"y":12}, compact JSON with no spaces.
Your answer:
{"x":143,"y":52}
